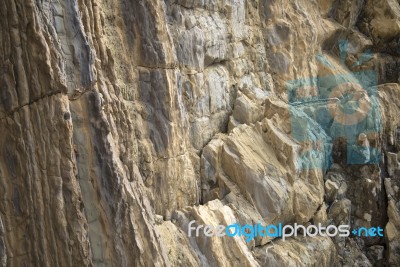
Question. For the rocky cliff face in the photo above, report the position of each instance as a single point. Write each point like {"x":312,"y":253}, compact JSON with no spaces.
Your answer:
{"x":121,"y":121}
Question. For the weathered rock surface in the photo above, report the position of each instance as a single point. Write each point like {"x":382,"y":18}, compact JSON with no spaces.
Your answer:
{"x":300,"y":251}
{"x":121,"y":121}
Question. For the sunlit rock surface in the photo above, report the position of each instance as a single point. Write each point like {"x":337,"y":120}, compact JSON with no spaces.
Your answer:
{"x":122,"y":121}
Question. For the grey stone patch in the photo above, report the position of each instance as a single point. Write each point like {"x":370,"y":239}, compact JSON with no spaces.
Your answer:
{"x":279,"y":62}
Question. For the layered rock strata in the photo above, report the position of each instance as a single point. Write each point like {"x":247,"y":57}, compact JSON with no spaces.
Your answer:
{"x":122,"y":121}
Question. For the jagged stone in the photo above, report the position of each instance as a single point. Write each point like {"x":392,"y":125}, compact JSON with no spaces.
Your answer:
{"x":298,"y":251}
{"x":376,"y":255}
{"x":392,"y":229}
{"x":214,"y":250}
{"x":178,"y":249}
{"x":123,"y":120}
{"x":331,"y":190}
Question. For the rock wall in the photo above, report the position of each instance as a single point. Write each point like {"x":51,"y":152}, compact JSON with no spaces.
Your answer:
{"x":121,"y":121}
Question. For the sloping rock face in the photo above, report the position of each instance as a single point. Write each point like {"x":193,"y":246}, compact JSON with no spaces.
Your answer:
{"x":123,"y":121}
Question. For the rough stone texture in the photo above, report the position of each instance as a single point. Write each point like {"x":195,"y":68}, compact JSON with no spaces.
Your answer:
{"x":121,"y":121}
{"x":300,"y":251}
{"x":390,"y":105}
{"x":393,"y":227}
{"x":214,"y":251}
{"x":3,"y":254}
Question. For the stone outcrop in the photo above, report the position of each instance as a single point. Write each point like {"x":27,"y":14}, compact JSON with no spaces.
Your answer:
{"x":122,"y":121}
{"x":299,"y":252}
